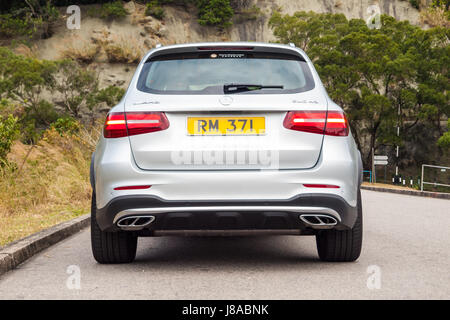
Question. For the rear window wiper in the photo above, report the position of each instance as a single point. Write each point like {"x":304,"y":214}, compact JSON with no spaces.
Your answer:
{"x":236,"y":88}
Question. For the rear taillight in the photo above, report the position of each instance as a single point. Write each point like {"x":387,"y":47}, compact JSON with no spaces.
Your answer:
{"x":337,"y":124}
{"x":307,"y":121}
{"x":121,"y":124}
{"x":115,"y":126}
{"x":333,"y":123}
{"x":145,"y":122}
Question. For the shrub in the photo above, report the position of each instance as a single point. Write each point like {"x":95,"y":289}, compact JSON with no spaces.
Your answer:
{"x":34,"y":121}
{"x":415,"y":3}
{"x":110,"y":95}
{"x":440,"y":3}
{"x":44,"y":113}
{"x":215,"y":12}
{"x":8,"y":132}
{"x":11,"y":26}
{"x":123,"y":50}
{"x":66,"y":125}
{"x":83,"y":54}
{"x":251,"y":13}
{"x":155,"y":10}
{"x":113,"y":10}
{"x":436,"y":15}
{"x":47,"y":15}
{"x":6,"y":107}
{"x":172,"y":2}
{"x":77,"y":86}
{"x":30,"y":17}
{"x":23,"y":78}
{"x":26,"y":50}
{"x":29,"y":134}
{"x":444,"y":140}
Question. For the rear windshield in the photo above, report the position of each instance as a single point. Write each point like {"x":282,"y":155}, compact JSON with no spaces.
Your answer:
{"x":207,"y":73}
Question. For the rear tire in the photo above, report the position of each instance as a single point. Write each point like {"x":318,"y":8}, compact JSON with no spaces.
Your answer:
{"x":111,"y":247}
{"x":342,"y":246}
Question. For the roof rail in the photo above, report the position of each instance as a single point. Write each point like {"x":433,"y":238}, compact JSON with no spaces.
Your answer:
{"x":158,"y":45}
{"x":292,"y":44}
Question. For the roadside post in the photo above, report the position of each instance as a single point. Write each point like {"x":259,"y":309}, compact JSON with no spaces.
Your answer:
{"x":380,"y":160}
{"x":370,"y":174}
{"x":373,"y":167}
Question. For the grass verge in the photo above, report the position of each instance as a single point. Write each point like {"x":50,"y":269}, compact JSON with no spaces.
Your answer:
{"x":45,"y":184}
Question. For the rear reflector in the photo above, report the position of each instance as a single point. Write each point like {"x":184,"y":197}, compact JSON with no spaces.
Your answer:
{"x":333,"y":123}
{"x":121,"y":124}
{"x":132,"y":187}
{"x":309,"y":185}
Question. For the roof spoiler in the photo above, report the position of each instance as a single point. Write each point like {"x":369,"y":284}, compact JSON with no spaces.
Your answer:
{"x":223,"y":46}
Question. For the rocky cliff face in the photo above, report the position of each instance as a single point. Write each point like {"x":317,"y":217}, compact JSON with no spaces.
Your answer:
{"x":182,"y":26}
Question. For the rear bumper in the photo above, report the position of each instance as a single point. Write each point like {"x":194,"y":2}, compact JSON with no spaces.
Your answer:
{"x":273,"y":215}
{"x":114,"y":166}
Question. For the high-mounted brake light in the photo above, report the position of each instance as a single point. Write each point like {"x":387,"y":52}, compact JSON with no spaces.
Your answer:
{"x":333,"y":123}
{"x":225,"y":48}
{"x":122,"y":124}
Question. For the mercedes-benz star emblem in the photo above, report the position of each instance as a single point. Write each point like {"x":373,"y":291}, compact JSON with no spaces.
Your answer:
{"x":226,"y":100}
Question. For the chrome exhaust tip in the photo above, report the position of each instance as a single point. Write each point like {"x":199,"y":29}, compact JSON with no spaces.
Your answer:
{"x":134,"y":222}
{"x":319,"y":221}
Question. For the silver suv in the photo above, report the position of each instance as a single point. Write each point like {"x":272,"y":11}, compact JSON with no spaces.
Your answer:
{"x":226,"y":139}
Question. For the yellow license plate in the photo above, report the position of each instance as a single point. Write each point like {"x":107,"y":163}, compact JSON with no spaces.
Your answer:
{"x":226,"y":126}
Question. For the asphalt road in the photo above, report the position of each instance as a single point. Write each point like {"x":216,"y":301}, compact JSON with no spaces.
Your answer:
{"x":406,"y":255}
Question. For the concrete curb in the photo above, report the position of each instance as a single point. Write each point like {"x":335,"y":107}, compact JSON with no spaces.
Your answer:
{"x":17,"y":252}
{"x":437,"y":195}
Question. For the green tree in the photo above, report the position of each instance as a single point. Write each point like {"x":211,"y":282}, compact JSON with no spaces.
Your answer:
{"x":154,"y":9}
{"x":378,"y":76}
{"x":77,"y":86}
{"x":113,"y":10}
{"x":42,"y":13}
{"x":444,"y":140}
{"x":215,"y":12}
{"x":24,"y":79}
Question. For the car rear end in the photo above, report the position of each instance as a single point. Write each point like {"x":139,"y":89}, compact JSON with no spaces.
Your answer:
{"x":226,"y":139}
